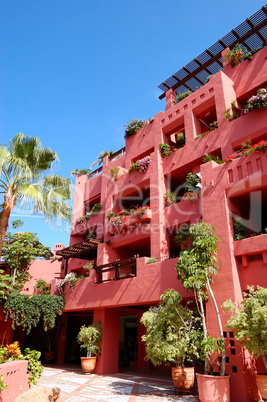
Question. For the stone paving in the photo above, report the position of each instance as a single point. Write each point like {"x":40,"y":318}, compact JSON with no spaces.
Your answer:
{"x":121,"y":387}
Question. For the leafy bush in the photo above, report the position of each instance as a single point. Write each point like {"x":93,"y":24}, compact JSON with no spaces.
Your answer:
{"x":88,"y":267}
{"x":114,"y":172}
{"x":172,"y":333}
{"x":12,"y":352}
{"x":180,"y":139}
{"x":95,"y":209}
{"x":42,"y":287}
{"x":28,"y":310}
{"x":111,"y":215}
{"x":181,"y":96}
{"x":165,"y":150}
{"x":132,"y":127}
{"x":249,"y":321}
{"x":35,"y":367}
{"x":170,"y":197}
{"x":239,"y":229}
{"x":151,"y":260}
{"x":210,"y":157}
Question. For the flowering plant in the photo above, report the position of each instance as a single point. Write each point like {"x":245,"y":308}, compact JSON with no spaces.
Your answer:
{"x":260,"y":147}
{"x":116,"y":221}
{"x":141,"y":165}
{"x":235,"y":56}
{"x":12,"y":352}
{"x":70,"y":278}
{"x":140,"y":211}
{"x":256,"y":101}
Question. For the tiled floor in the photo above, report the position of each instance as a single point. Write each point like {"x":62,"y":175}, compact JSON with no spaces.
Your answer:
{"x":121,"y":387}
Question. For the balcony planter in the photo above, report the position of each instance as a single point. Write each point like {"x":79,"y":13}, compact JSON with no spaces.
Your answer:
{"x":262,"y":385}
{"x":131,"y":222}
{"x":183,"y":378}
{"x":213,"y":388}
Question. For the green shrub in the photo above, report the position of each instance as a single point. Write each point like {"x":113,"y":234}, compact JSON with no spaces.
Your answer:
{"x":181,"y":96}
{"x":151,"y":260}
{"x":132,"y":127}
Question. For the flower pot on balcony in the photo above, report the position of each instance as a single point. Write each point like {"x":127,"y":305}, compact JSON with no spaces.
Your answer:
{"x":88,"y":364}
{"x":262,"y":385}
{"x":213,"y":388}
{"x":183,"y":378}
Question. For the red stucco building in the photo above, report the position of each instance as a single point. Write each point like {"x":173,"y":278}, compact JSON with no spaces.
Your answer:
{"x":122,"y":286}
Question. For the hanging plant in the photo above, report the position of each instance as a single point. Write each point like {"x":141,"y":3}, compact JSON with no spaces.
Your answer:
{"x":27,"y":310}
{"x":69,"y":279}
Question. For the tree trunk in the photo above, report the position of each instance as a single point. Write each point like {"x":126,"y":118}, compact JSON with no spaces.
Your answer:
{"x":4,"y":221}
{"x":208,"y":359}
{"x":222,"y":371}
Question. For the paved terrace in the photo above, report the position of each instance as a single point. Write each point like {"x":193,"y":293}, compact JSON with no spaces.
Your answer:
{"x":122,"y":387}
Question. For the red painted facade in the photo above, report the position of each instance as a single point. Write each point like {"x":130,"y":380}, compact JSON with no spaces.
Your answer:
{"x":238,"y":187}
{"x":227,"y":189}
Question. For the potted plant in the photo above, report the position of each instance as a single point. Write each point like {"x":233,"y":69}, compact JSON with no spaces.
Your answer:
{"x":195,"y":269}
{"x":172,"y":335}
{"x":249,"y":323}
{"x":89,"y":339}
{"x":235,"y":56}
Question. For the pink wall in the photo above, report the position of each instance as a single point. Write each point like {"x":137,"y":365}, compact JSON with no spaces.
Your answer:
{"x":16,"y":377}
{"x":215,"y":206}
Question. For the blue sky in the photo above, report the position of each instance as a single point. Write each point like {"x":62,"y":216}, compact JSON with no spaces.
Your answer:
{"x":74,"y":72}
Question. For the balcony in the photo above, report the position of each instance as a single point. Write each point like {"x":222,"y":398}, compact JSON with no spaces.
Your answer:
{"x":251,"y":246}
{"x":182,"y":212}
{"x":128,"y":223}
{"x":83,"y":228}
{"x":116,"y":270}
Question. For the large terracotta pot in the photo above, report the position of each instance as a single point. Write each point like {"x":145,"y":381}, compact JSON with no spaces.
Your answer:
{"x":88,"y":364}
{"x":262,"y":384}
{"x":49,"y":356}
{"x":183,"y":378}
{"x":213,"y":388}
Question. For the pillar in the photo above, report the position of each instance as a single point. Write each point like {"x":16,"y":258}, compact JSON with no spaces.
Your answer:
{"x":108,"y":358}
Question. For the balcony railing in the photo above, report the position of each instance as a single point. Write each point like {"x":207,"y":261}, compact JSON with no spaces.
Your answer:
{"x":116,"y":270}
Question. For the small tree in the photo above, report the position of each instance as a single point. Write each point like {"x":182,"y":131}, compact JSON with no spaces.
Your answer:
{"x":195,"y":269}
{"x":173,"y":334}
{"x":90,"y":337}
{"x":249,"y":321}
{"x":18,"y":251}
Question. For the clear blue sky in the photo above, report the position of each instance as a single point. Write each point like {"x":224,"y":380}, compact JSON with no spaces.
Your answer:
{"x":73,"y":73}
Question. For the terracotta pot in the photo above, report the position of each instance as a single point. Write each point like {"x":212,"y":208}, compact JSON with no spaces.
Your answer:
{"x":213,"y":388}
{"x":88,"y":364}
{"x":49,"y":356}
{"x":262,"y":384}
{"x":183,"y":378}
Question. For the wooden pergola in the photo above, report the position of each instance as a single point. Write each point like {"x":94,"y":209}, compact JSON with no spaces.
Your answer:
{"x":85,"y":250}
{"x":250,"y":34}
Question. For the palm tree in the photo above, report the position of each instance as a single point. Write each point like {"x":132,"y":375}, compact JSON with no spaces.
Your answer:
{"x":100,"y":158}
{"x":23,"y":165}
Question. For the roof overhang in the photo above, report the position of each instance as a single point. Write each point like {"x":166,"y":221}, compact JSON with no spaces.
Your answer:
{"x":250,"y":34}
{"x":85,"y":250}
